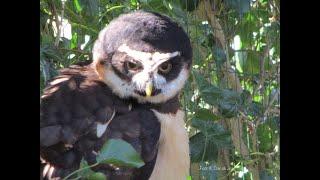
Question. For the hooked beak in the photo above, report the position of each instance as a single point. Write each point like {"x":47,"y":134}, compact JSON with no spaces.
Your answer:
{"x":149,"y":87}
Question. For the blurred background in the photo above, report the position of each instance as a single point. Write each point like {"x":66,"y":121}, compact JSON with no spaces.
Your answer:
{"x":232,"y":98}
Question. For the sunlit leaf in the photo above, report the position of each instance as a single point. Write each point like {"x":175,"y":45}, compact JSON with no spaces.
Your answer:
{"x":77,"y":5}
{"x":134,"y":4}
{"x":120,"y":153}
{"x":74,"y":40}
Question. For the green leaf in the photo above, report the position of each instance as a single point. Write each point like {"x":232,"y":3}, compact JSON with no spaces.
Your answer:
{"x":267,"y":134}
{"x":230,"y":103}
{"x":97,"y":176}
{"x":250,"y":62}
{"x":255,"y":109}
{"x":204,"y":145}
{"x":245,"y":97}
{"x":200,"y":80}
{"x":77,"y":5}
{"x":74,"y":40}
{"x":228,"y":109}
{"x":211,"y":95}
{"x":43,"y":18}
{"x":197,"y":149}
{"x":219,"y":55}
{"x":206,"y":114}
{"x":120,"y":153}
{"x":134,"y":4}
{"x":86,"y":172}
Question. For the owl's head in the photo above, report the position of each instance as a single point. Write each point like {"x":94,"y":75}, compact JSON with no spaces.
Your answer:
{"x":143,"y":55}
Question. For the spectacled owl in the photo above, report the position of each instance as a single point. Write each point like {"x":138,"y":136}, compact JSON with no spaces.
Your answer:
{"x":129,"y":91}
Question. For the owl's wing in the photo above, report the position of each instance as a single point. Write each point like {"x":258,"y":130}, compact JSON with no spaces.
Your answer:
{"x":75,"y":107}
{"x":71,"y":106}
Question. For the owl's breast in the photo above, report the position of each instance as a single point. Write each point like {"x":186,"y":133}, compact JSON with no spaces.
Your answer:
{"x":173,"y":159}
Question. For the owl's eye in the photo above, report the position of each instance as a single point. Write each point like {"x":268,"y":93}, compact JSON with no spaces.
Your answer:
{"x":165,"y":67}
{"x":133,"y":66}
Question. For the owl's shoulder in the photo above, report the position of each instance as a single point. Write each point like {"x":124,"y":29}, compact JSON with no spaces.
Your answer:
{"x":71,"y":102}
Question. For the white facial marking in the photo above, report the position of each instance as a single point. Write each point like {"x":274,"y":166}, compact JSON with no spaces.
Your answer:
{"x":168,"y":90}
{"x":140,"y":79}
{"x":159,"y":81}
{"x":118,"y":86}
{"x":125,"y":89}
{"x":150,"y":62}
{"x":138,"y":55}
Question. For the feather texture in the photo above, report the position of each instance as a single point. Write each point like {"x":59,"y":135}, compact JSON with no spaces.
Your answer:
{"x":70,"y":115}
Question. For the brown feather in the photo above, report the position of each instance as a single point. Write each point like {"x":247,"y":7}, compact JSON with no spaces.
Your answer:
{"x":68,"y":122}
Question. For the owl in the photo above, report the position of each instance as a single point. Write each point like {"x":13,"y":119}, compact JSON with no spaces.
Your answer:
{"x":129,"y":91}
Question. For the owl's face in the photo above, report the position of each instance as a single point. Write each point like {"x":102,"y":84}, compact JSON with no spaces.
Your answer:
{"x":148,"y":77}
{"x":141,"y":66}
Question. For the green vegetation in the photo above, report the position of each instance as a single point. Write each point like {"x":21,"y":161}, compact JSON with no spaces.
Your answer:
{"x":232,"y":98}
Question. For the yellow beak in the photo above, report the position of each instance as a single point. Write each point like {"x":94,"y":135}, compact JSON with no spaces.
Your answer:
{"x":149,"y":87}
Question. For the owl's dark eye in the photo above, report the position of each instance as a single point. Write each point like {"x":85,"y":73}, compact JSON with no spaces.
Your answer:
{"x":133,"y":66}
{"x":165,"y":67}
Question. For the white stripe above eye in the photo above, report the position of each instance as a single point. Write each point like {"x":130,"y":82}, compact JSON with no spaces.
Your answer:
{"x":156,"y":58}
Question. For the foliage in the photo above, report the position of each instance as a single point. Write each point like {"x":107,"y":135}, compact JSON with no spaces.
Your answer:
{"x":114,"y":151}
{"x":233,"y":82}
{"x":119,"y":153}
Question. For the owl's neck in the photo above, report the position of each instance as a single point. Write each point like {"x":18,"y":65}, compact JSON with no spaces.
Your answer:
{"x":170,"y":106}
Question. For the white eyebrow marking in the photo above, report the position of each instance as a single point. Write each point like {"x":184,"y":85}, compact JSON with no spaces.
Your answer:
{"x":138,"y":55}
{"x":156,"y":58}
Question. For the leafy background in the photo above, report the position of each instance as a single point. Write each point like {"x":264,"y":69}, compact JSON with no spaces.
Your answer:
{"x":232,"y":98}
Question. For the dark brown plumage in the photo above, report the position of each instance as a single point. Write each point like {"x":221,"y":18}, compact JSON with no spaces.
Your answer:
{"x":67,"y":110}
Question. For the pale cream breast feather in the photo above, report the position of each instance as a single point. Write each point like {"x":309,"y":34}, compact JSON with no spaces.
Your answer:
{"x":173,"y":160}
